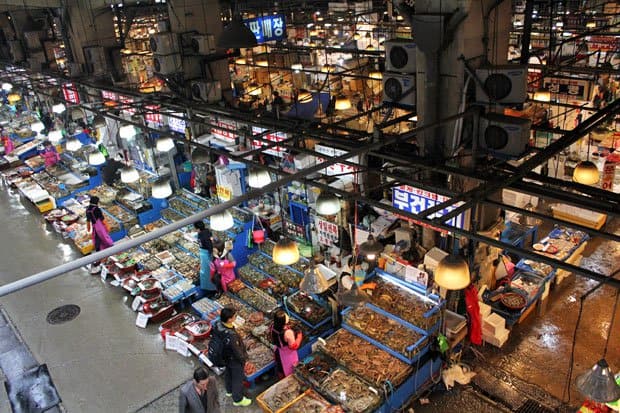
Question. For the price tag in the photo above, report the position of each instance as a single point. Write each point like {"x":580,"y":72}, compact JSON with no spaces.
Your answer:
{"x":182,"y":348}
{"x":137,"y":302}
{"x":172,"y":342}
{"x":142,"y":320}
{"x":104,"y":273}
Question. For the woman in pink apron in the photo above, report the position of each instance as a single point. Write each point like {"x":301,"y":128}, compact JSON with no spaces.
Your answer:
{"x":50,"y":154}
{"x":287,"y":343}
{"x":224,"y":263}
{"x":95,"y":223}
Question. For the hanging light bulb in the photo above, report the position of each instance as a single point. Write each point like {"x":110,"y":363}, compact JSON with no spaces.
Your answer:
{"x":342,"y":103}
{"x":59,"y":108}
{"x":7,"y":87}
{"x":326,"y":68}
{"x":164,"y":144}
{"x":586,"y":173}
{"x":37,"y":127}
{"x":127,"y":131}
{"x":222,"y":221}
{"x":297,"y":67}
{"x":129,"y":174}
{"x":285,"y":252}
{"x":598,"y":384}
{"x":55,"y":136}
{"x":304,"y":96}
{"x":452,"y":273}
{"x":591,"y":24}
{"x":258,"y":178}
{"x":161,"y":189}
{"x":314,"y":281}
{"x":73,"y":144}
{"x":96,"y":158}
{"x":327,"y":204}
{"x":371,"y":248}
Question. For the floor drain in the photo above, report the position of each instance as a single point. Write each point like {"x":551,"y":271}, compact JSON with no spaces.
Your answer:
{"x":63,"y":314}
{"x":532,"y":406}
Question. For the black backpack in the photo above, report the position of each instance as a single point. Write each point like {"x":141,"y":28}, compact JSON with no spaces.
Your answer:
{"x":217,"y":346}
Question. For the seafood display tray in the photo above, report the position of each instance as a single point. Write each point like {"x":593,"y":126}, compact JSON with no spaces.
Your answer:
{"x":414,"y":351}
{"x":288,"y":384}
{"x":301,"y":318}
{"x":365,"y":401}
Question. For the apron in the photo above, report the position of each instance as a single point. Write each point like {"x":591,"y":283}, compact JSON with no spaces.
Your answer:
{"x":227,"y":274}
{"x":101,"y":238}
{"x":288,"y":357}
{"x":205,"y":271}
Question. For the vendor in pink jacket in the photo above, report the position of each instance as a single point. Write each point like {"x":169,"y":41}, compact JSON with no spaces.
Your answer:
{"x":50,"y":154}
{"x":224,"y":262}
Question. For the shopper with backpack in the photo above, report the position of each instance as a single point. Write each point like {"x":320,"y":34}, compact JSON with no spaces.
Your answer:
{"x":226,"y":349}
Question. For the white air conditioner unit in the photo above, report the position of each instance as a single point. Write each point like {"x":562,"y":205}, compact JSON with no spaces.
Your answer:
{"x":504,"y":135}
{"x":399,"y":89}
{"x":164,"y":43}
{"x":210,"y":92}
{"x":16,"y":50}
{"x":96,"y":62}
{"x":203,"y":44}
{"x":167,"y":65}
{"x":502,"y":84}
{"x":400,"y":55}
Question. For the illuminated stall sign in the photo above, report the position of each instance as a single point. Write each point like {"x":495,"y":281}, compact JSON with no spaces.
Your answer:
{"x":327,"y":232}
{"x":127,"y":103}
{"x":109,"y":98}
{"x":271,"y":137}
{"x":152,"y":115}
{"x":226,"y":132}
{"x":571,"y":89}
{"x":342,"y":170}
{"x":176,"y":123}
{"x":267,"y":28}
{"x":70,"y":93}
{"x":415,"y":200}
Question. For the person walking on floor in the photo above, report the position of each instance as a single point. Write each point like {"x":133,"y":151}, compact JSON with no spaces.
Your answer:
{"x":287,"y":343}
{"x":205,"y":239}
{"x":95,"y":223}
{"x":235,"y":357}
{"x":199,"y":395}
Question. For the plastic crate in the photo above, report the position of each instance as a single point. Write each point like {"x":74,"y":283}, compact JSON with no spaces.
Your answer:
{"x":285,"y":383}
{"x":333,"y":392}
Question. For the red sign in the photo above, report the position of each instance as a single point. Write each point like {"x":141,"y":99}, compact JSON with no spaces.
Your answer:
{"x":109,"y":95}
{"x":153,"y":115}
{"x":609,"y":171}
{"x":70,"y":92}
{"x":227,"y":132}
{"x":272,"y":137}
{"x":340,"y":169}
{"x":603,"y":43}
{"x":127,"y":102}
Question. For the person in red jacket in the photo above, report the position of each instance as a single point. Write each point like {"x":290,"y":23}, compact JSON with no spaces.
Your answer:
{"x":287,"y":343}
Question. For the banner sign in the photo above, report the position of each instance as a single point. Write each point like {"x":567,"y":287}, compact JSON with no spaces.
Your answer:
{"x":70,"y":93}
{"x":105,"y":95}
{"x":345,"y":171}
{"x":127,"y":103}
{"x":609,"y":172}
{"x":570,"y":89}
{"x":294,"y":230}
{"x":327,"y":232}
{"x":152,"y":114}
{"x":227,"y":132}
{"x":228,"y":183}
{"x":177,"y":124}
{"x":272,"y":137}
{"x":415,"y":200}
{"x":267,"y":28}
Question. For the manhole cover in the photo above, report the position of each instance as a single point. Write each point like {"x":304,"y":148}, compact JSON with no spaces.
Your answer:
{"x":532,"y":406}
{"x":63,"y":314}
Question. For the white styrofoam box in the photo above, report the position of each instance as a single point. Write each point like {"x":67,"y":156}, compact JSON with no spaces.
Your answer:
{"x":485,"y":309}
{"x":303,"y":161}
{"x":518,"y":199}
{"x":432,"y":257}
{"x":492,"y":332}
{"x":494,"y":322}
{"x":497,"y":341}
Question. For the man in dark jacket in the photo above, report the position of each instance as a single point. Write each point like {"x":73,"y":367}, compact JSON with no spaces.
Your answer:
{"x":200,"y":394}
{"x":235,"y":357}
{"x":111,"y":171}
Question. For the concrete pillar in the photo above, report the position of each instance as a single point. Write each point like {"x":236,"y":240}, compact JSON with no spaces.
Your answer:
{"x":88,"y":26}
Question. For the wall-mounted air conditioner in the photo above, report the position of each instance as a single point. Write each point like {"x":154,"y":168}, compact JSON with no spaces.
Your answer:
{"x":16,"y":50}
{"x":504,"y":135}
{"x":168,"y":64}
{"x":400,"y":55}
{"x":399,"y":89}
{"x":210,"y":92}
{"x":96,"y":61}
{"x":203,"y":44}
{"x":502,"y":84}
{"x":164,"y":43}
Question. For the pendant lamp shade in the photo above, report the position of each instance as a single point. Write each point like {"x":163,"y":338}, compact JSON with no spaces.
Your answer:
{"x":129,"y":174}
{"x":161,"y":189}
{"x":222,"y":221}
{"x":127,"y":131}
{"x":258,"y":178}
{"x":285,"y":252}
{"x":55,"y":136}
{"x":371,"y":248}
{"x":314,"y":281}
{"x":13,"y":98}
{"x":164,"y":144}
{"x":342,"y":103}
{"x":542,"y":95}
{"x":59,"y":108}
{"x":327,"y":204}
{"x":236,"y":36}
{"x":96,"y":158}
{"x":7,"y":87}
{"x":304,"y":96}
{"x":73,"y":144}
{"x":37,"y":127}
{"x":452,"y":273}
{"x":598,"y":383}
{"x":586,"y":173}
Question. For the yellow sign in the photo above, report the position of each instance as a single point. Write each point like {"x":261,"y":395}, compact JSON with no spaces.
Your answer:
{"x":224,"y":193}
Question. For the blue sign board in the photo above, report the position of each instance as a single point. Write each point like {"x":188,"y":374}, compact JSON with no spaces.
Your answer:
{"x":267,"y":28}
{"x":415,"y":200}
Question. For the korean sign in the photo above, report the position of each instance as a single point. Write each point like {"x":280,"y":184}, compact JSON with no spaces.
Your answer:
{"x":571,"y":89}
{"x":267,"y":28}
{"x":294,"y":230}
{"x":227,"y":132}
{"x":70,"y":93}
{"x":126,"y":104}
{"x":228,"y":183}
{"x":327,"y":232}
{"x":415,"y":200}
{"x":176,"y":123}
{"x":344,"y":171}
{"x":152,"y":114}
{"x":272,"y":137}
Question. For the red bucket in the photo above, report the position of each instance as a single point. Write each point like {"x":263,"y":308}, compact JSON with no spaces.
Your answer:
{"x":258,"y":235}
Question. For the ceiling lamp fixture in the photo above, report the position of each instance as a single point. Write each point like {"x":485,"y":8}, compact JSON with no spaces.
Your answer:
{"x":356,"y":36}
{"x":342,"y":103}
{"x":254,"y":89}
{"x":161,"y":189}
{"x":375,"y":75}
{"x":304,"y":96}
{"x":370,"y":47}
{"x":371,"y":248}
{"x":452,"y":273}
{"x":236,"y":35}
{"x":313,"y":282}
{"x":326,"y":68}
{"x":598,"y":384}
{"x":591,"y":24}
{"x":73,"y":144}
{"x":586,"y":173}
{"x":542,"y":95}
{"x":129,"y":174}
{"x":240,"y":61}
{"x":222,"y":221}
{"x":13,"y":98}
{"x":258,"y":178}
{"x":262,"y":63}
{"x":127,"y":131}
{"x":164,"y":144}
{"x":297,"y":67}
{"x":59,"y":108}
{"x":285,"y":252}
{"x":37,"y":127}
{"x":96,"y":158}
{"x":327,"y":204}
{"x":7,"y":87}
{"x":55,"y":136}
